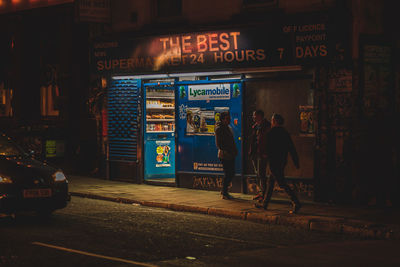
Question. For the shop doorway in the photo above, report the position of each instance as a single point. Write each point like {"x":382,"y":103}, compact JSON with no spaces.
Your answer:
{"x":294,"y":100}
{"x":159,"y":133}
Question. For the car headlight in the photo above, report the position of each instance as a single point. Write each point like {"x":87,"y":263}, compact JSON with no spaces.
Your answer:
{"x":5,"y":180}
{"x":59,"y":177}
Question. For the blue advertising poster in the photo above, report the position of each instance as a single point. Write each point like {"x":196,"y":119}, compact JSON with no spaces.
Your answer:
{"x":199,"y":107}
{"x":160,"y":159}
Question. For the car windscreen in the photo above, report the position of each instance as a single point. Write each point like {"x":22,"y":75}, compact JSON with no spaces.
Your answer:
{"x":9,"y":148}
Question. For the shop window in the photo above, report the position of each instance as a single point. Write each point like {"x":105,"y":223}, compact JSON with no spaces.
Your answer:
{"x":49,"y":92}
{"x":294,"y":100}
{"x":6,"y":95}
{"x":168,"y":8}
{"x":49,"y":96}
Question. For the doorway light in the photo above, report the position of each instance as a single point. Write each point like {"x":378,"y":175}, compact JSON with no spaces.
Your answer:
{"x":173,"y":75}
{"x":269,"y":69}
{"x":144,"y":76}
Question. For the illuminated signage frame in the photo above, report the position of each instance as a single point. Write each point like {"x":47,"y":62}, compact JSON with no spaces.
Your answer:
{"x":8,"y":6}
{"x":294,"y":41}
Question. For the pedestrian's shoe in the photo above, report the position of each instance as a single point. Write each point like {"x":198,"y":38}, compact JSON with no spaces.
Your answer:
{"x":226,"y":196}
{"x":260,"y":205}
{"x":295,"y":208}
{"x":259,"y":196}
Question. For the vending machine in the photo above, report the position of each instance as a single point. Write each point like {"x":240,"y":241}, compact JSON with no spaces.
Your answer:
{"x":159,"y":134}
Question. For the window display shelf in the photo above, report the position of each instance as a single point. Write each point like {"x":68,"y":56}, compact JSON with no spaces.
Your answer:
{"x":160,"y":131}
{"x":160,"y":120}
{"x":154,"y":108}
{"x":160,"y":97}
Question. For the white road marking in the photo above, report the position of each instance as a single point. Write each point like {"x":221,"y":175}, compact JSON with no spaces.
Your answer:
{"x":93,"y":254}
{"x":233,"y":239}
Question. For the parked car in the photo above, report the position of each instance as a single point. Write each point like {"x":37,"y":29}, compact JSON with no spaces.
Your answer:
{"x":27,"y":184}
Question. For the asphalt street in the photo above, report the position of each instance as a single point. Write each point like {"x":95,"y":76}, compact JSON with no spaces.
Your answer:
{"x":100,"y":233}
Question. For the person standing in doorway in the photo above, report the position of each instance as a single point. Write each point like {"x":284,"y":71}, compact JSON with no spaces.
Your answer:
{"x":279,"y":144}
{"x":227,"y":150}
{"x":258,"y":152}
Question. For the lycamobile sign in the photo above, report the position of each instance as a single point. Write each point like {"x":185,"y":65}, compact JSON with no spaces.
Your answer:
{"x":210,"y":92}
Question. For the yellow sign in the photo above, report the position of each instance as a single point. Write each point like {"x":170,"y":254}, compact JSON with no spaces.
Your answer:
{"x":51,"y":148}
{"x":160,"y":150}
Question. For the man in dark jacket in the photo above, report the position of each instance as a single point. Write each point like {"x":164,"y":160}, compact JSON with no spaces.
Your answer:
{"x":227,"y":150}
{"x":258,"y":152}
{"x":279,"y":144}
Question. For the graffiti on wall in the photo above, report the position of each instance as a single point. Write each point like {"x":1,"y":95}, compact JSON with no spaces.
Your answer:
{"x":207,"y":182}
{"x":303,"y":188}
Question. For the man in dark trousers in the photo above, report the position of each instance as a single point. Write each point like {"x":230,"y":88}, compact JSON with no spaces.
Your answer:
{"x":279,"y":144}
{"x":258,"y":152}
{"x":227,"y":150}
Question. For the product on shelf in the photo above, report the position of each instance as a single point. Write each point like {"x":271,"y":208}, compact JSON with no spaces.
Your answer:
{"x":160,"y":108}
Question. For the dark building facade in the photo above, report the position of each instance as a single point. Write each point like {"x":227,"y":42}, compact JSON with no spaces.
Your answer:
{"x":44,"y":79}
{"x":329,"y":67}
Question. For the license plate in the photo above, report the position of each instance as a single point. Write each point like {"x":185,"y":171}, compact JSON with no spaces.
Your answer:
{"x":33,"y":193}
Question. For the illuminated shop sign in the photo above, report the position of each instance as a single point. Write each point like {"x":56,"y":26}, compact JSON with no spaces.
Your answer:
{"x":209,"y":92}
{"x":18,"y":5}
{"x":195,"y":50}
{"x":94,"y":10}
{"x":276,"y":44}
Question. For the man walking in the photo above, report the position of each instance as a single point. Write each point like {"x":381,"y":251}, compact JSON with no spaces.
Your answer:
{"x":279,"y":144}
{"x":227,"y":150}
{"x":258,"y":152}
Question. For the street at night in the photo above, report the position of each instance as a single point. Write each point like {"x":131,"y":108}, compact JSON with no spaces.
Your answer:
{"x":100,"y":233}
{"x":199,"y":133}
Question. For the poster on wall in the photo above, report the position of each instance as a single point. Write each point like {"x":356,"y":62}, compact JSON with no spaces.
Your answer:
{"x":54,"y":148}
{"x":200,"y":166}
{"x":199,"y":107}
{"x":201,"y":121}
{"x":377,"y":76}
{"x":306,"y":120}
{"x":163,"y":151}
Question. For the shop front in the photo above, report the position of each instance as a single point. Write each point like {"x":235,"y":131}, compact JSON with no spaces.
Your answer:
{"x":173,"y":141}
{"x":165,"y":94}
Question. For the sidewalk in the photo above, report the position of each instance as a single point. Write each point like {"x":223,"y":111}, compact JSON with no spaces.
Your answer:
{"x":368,"y":222}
